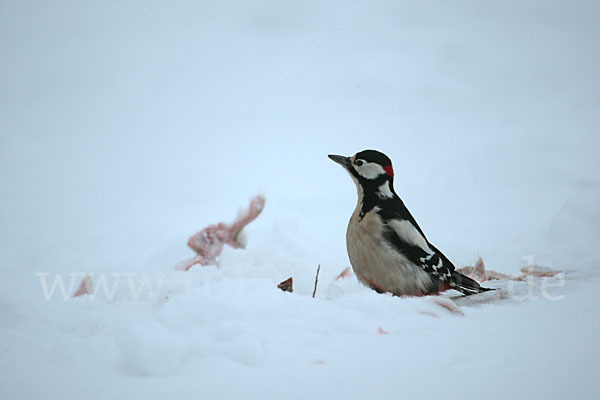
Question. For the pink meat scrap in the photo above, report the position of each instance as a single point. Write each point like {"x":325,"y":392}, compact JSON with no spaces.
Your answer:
{"x":481,"y":274}
{"x":85,"y":287}
{"x":209,"y":242}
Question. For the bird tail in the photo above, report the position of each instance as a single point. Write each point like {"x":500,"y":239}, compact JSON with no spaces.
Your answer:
{"x":466,"y":285}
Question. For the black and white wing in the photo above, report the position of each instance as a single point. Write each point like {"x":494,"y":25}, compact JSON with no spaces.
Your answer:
{"x":404,"y":234}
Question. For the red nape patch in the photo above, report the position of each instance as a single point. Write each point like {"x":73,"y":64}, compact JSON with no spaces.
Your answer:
{"x":389,"y":170}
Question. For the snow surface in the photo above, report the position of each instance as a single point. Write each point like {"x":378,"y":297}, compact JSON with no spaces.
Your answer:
{"x":126,"y":126}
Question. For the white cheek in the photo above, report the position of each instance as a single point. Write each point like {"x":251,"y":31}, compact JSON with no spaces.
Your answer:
{"x":370,"y":170}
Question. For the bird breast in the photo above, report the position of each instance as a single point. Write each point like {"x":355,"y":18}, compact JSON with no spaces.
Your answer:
{"x":376,"y":263}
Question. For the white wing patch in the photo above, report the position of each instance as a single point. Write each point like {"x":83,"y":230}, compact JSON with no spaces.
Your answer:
{"x":407,"y":232}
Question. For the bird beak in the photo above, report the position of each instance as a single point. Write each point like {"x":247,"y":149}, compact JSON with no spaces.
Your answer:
{"x":343,"y":161}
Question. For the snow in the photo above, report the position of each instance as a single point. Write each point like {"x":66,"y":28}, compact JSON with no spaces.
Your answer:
{"x":125,"y":127}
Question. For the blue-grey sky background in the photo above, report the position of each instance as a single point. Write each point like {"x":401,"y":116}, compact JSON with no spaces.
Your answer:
{"x":132,"y":122}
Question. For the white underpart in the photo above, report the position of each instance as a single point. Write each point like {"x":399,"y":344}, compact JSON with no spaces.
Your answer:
{"x":384,"y":191}
{"x":370,"y":170}
{"x":376,"y":263}
{"x":407,"y":232}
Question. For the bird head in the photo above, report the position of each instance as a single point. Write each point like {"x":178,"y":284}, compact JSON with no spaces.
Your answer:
{"x":371,"y":170}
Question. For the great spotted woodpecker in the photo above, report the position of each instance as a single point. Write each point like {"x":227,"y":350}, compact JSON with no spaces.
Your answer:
{"x":387,"y":249}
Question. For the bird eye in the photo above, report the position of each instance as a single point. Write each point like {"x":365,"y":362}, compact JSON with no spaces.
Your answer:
{"x":358,"y":163}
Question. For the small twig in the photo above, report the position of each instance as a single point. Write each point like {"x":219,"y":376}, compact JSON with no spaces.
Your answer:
{"x":316,"y":281}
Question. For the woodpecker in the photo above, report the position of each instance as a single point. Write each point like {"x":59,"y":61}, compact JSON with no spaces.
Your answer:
{"x":387,"y":249}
